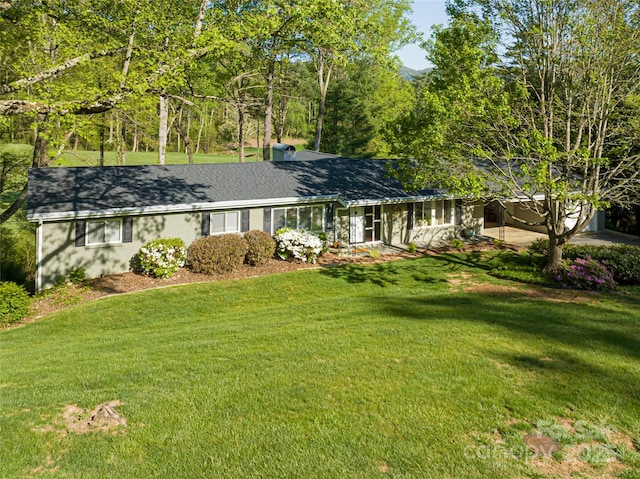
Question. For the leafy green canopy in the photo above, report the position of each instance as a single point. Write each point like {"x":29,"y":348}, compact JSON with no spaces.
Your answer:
{"x":522,"y":103}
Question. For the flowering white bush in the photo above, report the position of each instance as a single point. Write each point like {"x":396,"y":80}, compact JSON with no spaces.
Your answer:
{"x":161,"y":258}
{"x":298,"y":244}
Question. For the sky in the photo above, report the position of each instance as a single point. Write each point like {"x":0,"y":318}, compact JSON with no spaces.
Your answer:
{"x":425,"y":14}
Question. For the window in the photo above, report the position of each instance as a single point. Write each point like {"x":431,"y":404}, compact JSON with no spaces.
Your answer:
{"x":299,"y":217}
{"x":104,"y":231}
{"x":226,"y":222}
{"x":431,"y":213}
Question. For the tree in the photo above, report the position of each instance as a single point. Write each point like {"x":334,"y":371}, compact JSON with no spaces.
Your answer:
{"x":522,"y":104}
{"x":363,"y":98}
{"x":65,"y":58}
{"x":338,"y":32}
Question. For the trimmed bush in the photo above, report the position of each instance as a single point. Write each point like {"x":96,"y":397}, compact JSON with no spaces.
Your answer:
{"x":586,"y":273}
{"x":217,"y":254}
{"x":14,"y":302}
{"x":261,"y":245}
{"x":298,"y":245}
{"x":161,"y":258}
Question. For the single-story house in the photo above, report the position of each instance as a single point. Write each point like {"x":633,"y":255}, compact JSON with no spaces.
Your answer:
{"x":98,"y":218}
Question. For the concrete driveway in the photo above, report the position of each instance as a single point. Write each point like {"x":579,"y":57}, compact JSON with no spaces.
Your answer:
{"x":522,"y":238}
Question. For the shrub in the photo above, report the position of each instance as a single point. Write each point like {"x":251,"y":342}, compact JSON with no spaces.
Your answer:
{"x":161,"y":258}
{"x":217,"y":254}
{"x":77,"y":275}
{"x":539,"y":247}
{"x":586,"y":273}
{"x":374,"y":253}
{"x":622,"y":260}
{"x":457,"y":244}
{"x":412,"y":248}
{"x":261,"y":246}
{"x":298,"y":244}
{"x":14,"y":302}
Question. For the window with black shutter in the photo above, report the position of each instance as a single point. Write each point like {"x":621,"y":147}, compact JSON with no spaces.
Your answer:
{"x":205,"y":229}
{"x":244,"y":220}
{"x":266,"y":220}
{"x":81,"y":232}
{"x":127,"y":230}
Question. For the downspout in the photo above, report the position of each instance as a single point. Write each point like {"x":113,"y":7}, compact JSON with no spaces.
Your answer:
{"x":39,"y":256}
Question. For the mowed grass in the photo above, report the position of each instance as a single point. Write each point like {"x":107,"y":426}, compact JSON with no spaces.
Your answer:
{"x":92,"y":158}
{"x":390,"y":370}
{"x":72,"y":157}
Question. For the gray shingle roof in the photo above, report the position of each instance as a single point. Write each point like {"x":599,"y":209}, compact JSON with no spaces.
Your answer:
{"x":70,"y":192}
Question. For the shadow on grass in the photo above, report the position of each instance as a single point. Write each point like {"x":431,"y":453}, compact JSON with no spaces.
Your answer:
{"x":578,"y":352}
{"x":575,"y":325}
{"x":384,"y":274}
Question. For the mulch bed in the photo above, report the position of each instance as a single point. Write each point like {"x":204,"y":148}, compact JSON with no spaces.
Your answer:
{"x":130,"y":282}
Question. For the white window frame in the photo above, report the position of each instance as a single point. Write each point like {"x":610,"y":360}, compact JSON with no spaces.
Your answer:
{"x":288,"y":209}
{"x":227,"y":229}
{"x":430,"y":210}
{"x":104,"y":222}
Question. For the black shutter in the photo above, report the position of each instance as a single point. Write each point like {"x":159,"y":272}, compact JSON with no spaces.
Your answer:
{"x":329,"y":217}
{"x":127,"y":230}
{"x":244,"y":220}
{"x":206,"y":223}
{"x":459,"y":212}
{"x":410,"y":208}
{"x":266,"y":220}
{"x":81,"y":229}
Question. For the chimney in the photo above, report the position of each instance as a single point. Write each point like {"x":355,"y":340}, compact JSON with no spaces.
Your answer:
{"x":282,"y":152}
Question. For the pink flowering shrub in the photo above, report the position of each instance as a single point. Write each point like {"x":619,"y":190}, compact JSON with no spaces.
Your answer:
{"x":586,"y":273}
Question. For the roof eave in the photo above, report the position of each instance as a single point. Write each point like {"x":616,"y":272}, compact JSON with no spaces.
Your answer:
{"x":179,"y":208}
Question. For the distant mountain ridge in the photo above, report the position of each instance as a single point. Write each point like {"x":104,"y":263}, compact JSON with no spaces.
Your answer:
{"x":410,"y":73}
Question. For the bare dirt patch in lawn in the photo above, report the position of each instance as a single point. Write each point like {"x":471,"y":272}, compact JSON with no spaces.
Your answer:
{"x":103,"y":418}
{"x":526,"y":291}
{"x":573,"y":468}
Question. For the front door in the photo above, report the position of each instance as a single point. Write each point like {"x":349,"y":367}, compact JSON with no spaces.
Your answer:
{"x":356,"y":225}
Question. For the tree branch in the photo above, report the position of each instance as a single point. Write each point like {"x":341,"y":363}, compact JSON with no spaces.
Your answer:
{"x":58,"y":69}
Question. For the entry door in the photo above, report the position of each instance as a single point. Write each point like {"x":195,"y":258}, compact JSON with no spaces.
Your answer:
{"x":356,"y":225}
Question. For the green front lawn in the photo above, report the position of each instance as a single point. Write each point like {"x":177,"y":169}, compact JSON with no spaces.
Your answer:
{"x":425,"y":368}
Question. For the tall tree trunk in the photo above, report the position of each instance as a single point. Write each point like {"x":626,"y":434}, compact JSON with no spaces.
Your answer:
{"x":163,"y":127}
{"x":323,"y":83}
{"x":240,"y":134}
{"x":102,"y":142}
{"x":188,"y":132}
{"x":282,"y":115}
{"x":179,"y":121}
{"x":110,"y":140}
{"x":268,"y":112}
{"x":134,"y":145}
{"x":185,"y":138}
{"x":200,"y":131}
{"x":123,"y":143}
